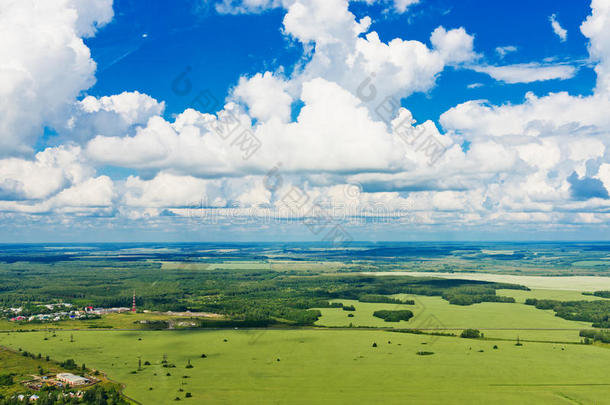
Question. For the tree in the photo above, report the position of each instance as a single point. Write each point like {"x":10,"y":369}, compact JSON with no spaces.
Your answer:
{"x":471,"y":334}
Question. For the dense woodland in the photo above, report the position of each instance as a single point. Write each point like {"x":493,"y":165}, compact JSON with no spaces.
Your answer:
{"x":596,"y":312}
{"x":394,"y":316}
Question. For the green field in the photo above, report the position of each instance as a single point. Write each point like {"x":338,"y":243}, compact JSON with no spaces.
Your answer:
{"x":559,"y":295}
{"x":591,"y":263}
{"x":435,"y":312}
{"x":333,"y":366}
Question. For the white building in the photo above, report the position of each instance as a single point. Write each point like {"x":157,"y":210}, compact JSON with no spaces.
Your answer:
{"x":72,"y":379}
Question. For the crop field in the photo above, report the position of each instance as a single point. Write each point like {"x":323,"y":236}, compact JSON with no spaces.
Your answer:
{"x":332,"y":366}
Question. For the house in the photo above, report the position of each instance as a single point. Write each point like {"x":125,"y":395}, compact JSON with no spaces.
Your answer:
{"x":72,"y":379}
{"x":34,"y":398}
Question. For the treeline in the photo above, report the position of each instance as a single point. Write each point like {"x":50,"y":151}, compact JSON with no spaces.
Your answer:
{"x":468,"y":295}
{"x":394,"y":316}
{"x":596,"y":312}
{"x":596,"y":335}
{"x":377,"y":298}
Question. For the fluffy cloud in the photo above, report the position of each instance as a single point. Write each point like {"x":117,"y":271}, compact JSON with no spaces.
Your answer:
{"x":266,"y":96}
{"x":50,"y":171}
{"x":596,"y":28}
{"x":58,"y":179}
{"x":44,"y":64}
{"x":333,"y":132}
{"x":110,"y":115}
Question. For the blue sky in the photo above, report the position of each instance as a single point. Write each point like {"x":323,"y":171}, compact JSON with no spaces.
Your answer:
{"x":148,"y":44}
{"x":502,"y":130}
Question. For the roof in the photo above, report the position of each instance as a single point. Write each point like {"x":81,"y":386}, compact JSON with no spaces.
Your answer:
{"x":72,"y":378}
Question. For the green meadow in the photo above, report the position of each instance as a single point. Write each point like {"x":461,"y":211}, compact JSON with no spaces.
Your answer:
{"x":331,"y":366}
{"x":496,"y":320}
{"x":558,"y":295}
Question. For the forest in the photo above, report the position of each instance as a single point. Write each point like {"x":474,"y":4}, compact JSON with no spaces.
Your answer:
{"x":246,"y":296}
{"x":596,"y":312}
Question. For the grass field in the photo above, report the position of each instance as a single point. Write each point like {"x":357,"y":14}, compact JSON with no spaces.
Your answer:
{"x":559,"y":295}
{"x":435,"y":312}
{"x":333,"y":366}
{"x":563,"y":282}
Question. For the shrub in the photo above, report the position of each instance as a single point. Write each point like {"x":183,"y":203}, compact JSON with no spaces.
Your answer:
{"x":424,"y":353}
{"x":6,"y":379}
{"x":471,"y":334}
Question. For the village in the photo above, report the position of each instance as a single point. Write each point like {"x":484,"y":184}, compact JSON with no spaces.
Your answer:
{"x":50,"y":313}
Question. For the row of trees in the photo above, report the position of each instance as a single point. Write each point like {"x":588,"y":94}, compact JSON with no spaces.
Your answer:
{"x":596,"y":335}
{"x":377,"y":298}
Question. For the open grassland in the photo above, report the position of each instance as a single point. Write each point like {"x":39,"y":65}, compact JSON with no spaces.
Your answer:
{"x":493,"y":318}
{"x":333,"y":366}
{"x":569,"y":283}
{"x":558,"y":295}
